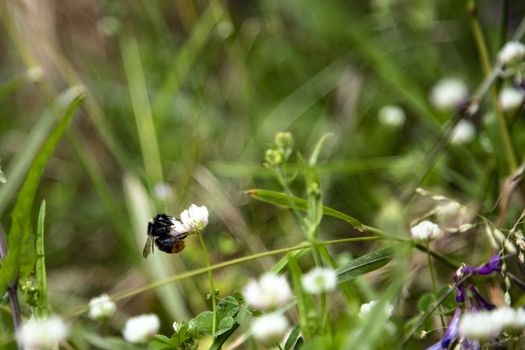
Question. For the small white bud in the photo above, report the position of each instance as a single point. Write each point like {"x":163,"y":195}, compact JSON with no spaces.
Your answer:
{"x":464,"y":132}
{"x":139,"y":329}
{"x":269,"y":291}
{"x":269,"y":329}
{"x":392,"y":116}
{"x":425,"y":231}
{"x":510,"y":98}
{"x":513,"y":52}
{"x":42,"y":334}
{"x":101,"y":307}
{"x":448,"y":94}
{"x":367,"y":307}
{"x":319,"y":280}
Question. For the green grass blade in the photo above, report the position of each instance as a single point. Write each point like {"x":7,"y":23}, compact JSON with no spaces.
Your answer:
{"x":142,"y":109}
{"x":282,"y":200}
{"x":41,"y":309}
{"x":364,"y":264}
{"x":18,"y":262}
{"x":303,"y":307}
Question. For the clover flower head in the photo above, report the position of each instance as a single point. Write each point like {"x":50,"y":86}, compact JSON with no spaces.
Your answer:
{"x":367,"y":307}
{"x":508,"y":318}
{"x":101,"y":307}
{"x":478,"y":325}
{"x":194,"y":219}
{"x":269,"y":329}
{"x":269,"y":291}
{"x":464,"y":132}
{"x":140,"y":328}
{"x":319,"y":280}
{"x":42,"y":334}
{"x":448,"y":94}
{"x":510,"y":98}
{"x":513,"y":52}
{"x":425,"y":231}
{"x":392,"y":116}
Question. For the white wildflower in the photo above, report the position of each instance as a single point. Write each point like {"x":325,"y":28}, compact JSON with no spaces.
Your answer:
{"x":193,"y":219}
{"x":513,"y":52}
{"x":42,"y":334}
{"x":510,"y":98}
{"x":425,"y":231}
{"x":177,"y":326}
{"x":269,"y":329}
{"x":392,"y":116}
{"x":269,"y":291}
{"x":464,"y":132}
{"x":139,"y":329}
{"x":224,"y":29}
{"x":319,"y":280}
{"x":508,"y":318}
{"x":101,"y":307}
{"x":478,"y":326}
{"x":367,"y":307}
{"x":448,"y":94}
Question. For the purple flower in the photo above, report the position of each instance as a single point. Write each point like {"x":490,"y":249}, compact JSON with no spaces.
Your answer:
{"x":480,"y":300}
{"x":450,"y":335}
{"x":492,"y":266}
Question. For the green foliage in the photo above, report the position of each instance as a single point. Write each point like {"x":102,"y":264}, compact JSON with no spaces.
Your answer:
{"x":364,"y":264}
{"x":21,"y":257}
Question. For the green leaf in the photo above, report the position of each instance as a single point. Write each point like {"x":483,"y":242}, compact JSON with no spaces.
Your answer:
{"x":227,"y":308}
{"x":225,"y":325}
{"x":282,"y":200}
{"x":18,"y":263}
{"x":364,"y":264}
{"x":294,"y":334}
{"x":41,"y":132}
{"x":161,"y":342}
{"x":203,"y":322}
{"x":426,"y":301}
{"x":41,"y":309}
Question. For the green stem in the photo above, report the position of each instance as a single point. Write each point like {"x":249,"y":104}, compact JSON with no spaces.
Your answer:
{"x":210,"y":277}
{"x":196,"y":272}
{"x":434,"y":285}
{"x":487,"y":70}
{"x":324,"y":313}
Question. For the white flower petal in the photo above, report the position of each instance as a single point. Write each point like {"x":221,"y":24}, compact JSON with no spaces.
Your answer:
{"x":101,"y":307}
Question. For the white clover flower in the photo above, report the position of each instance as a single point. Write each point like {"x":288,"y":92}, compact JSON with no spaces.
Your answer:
{"x":508,"y":318}
{"x":510,"y":98}
{"x":139,"y":328}
{"x":513,"y":52}
{"x":42,"y":334}
{"x":464,"y":132}
{"x":392,"y":116}
{"x":193,"y":219}
{"x":478,"y":326}
{"x":269,"y":329}
{"x":319,"y":280}
{"x":269,"y":291}
{"x":367,"y":307}
{"x":425,"y":231}
{"x":448,"y":94}
{"x":101,"y":307}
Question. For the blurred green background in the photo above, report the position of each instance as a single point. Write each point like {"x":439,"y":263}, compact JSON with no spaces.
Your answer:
{"x":183,"y":97}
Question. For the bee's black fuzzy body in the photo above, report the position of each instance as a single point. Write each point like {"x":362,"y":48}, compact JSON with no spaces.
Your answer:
{"x":160,"y":232}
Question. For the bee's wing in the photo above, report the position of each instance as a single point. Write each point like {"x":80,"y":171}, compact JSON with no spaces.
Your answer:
{"x":148,"y":247}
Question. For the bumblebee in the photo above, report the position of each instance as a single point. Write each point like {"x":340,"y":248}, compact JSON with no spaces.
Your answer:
{"x":161,"y":232}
